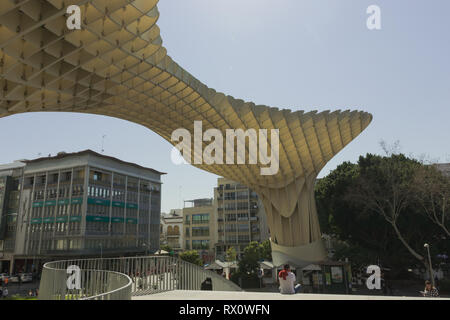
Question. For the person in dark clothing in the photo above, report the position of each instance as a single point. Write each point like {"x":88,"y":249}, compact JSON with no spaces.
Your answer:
{"x":207,"y":285}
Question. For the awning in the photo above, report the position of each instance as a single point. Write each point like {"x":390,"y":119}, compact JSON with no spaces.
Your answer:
{"x":266,"y":265}
{"x":312,"y":267}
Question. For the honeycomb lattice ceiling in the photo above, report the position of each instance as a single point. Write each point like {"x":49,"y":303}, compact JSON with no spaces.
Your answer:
{"x":116,"y":66}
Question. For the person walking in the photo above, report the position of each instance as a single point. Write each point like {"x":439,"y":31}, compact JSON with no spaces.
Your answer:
{"x":429,"y":290}
{"x":287,"y":281}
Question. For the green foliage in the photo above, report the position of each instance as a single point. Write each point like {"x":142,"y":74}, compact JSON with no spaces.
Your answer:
{"x":371,"y":208}
{"x":266,"y":250}
{"x":249,"y":263}
{"x":231,"y":254}
{"x":253,"y":254}
{"x":191,"y":256}
{"x":329,"y":194}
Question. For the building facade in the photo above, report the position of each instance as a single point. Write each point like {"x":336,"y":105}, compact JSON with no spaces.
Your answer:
{"x":240,"y":217}
{"x":77,"y":205}
{"x":200,"y":228}
{"x":10,"y":185}
{"x":171,"y":229}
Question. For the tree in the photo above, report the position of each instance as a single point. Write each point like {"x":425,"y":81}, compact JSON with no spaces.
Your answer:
{"x":191,"y":256}
{"x":231,"y":254}
{"x":348,"y":223}
{"x":372,"y":208}
{"x":432,"y":192}
{"x":266,"y":250}
{"x":384,"y":186}
{"x":249,"y":263}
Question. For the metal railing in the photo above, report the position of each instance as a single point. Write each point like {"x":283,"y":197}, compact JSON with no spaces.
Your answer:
{"x":93,"y":284}
{"x":121,"y":278}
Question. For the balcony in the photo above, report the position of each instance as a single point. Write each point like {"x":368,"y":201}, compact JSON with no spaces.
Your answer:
{"x":200,"y":222}
{"x":173,"y":235}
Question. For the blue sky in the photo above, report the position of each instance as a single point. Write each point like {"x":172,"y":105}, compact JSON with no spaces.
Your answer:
{"x":295,"y":54}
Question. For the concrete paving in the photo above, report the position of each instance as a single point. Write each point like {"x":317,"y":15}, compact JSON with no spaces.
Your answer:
{"x":232,"y":295}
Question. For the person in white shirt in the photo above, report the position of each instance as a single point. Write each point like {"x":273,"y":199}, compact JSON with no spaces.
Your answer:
{"x":287,"y":281}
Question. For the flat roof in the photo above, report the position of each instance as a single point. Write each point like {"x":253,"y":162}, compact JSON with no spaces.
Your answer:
{"x":14,"y":165}
{"x":62,"y":155}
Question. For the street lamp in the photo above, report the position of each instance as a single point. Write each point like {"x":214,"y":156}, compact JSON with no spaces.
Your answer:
{"x":426,"y":245}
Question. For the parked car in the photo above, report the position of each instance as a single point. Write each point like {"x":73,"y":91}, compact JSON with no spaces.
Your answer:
{"x":26,"y":277}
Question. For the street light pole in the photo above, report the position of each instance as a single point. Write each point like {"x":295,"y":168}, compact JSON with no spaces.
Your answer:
{"x":426,"y":245}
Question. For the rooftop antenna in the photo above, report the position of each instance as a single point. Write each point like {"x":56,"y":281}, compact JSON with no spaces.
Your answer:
{"x":103,"y":139}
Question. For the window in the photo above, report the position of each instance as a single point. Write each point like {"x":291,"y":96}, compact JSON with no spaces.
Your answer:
{"x":200,"y":218}
{"x":200,"y":244}
{"x":243,"y":227}
{"x":200,"y":231}
{"x":97,"y":176}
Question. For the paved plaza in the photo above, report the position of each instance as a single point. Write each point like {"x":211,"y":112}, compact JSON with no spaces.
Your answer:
{"x":230,"y":295}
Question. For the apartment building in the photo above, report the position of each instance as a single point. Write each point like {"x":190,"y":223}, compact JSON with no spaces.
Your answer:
{"x":240,"y":217}
{"x":76,"y":205}
{"x":171,"y":229}
{"x":200,"y":228}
